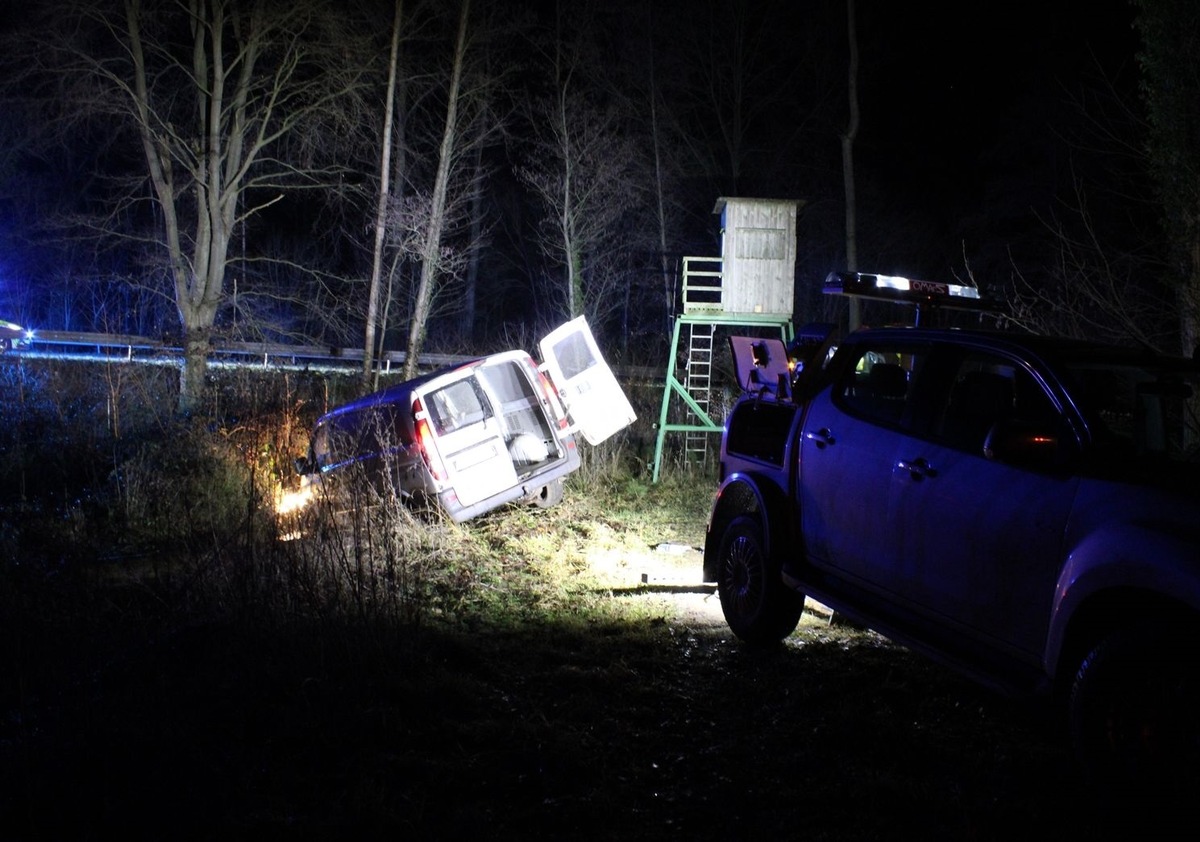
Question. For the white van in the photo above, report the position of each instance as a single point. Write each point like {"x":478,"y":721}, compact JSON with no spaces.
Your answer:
{"x":476,"y":436}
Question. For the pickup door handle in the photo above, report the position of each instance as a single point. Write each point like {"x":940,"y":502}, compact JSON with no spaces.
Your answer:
{"x":821,"y":438}
{"x":918,"y":469}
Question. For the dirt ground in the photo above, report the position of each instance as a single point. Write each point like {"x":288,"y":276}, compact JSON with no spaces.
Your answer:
{"x":842,"y":734}
{"x":645,"y":724}
{"x":671,"y":573}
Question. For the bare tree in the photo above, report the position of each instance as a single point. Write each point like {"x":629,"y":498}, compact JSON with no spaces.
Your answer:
{"x":1093,"y":290}
{"x":432,"y":246}
{"x":1102,"y":268}
{"x":660,"y":203}
{"x":669,"y":204}
{"x":581,"y":167}
{"x":385,"y":171}
{"x":1170,"y":31}
{"x":848,"y":138}
{"x":442,"y":223}
{"x":212,"y":89}
{"x":737,"y":81}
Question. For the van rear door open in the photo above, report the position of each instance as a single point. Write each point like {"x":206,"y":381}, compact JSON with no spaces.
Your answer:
{"x":469,"y":439}
{"x":587,"y":386}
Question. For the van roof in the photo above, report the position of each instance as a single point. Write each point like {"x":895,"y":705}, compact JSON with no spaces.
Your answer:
{"x":397,"y":392}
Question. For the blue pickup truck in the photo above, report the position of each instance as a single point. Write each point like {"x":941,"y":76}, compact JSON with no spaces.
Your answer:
{"x":1023,"y":508}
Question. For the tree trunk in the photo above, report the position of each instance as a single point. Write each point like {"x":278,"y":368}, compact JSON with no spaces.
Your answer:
{"x":385,"y":171}
{"x":396,"y":273}
{"x":848,"y":164}
{"x":195,"y":370}
{"x":660,"y":201}
{"x":566,"y":225}
{"x":470,"y":292}
{"x":433,"y":235}
{"x":215,"y":175}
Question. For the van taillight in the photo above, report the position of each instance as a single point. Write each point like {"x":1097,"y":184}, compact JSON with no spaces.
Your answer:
{"x":551,"y":396}
{"x":426,"y":443}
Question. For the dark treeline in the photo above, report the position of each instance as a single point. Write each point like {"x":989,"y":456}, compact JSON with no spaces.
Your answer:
{"x":591,"y":142}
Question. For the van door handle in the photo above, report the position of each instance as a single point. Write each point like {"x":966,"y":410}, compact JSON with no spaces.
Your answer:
{"x":821,"y":438}
{"x":918,"y":469}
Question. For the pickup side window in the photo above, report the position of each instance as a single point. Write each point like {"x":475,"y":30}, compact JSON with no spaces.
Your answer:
{"x":877,"y":383}
{"x":986,"y":389}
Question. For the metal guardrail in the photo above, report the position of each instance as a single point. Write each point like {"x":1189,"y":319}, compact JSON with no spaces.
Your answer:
{"x":133,"y":348}
{"x":105,"y":347}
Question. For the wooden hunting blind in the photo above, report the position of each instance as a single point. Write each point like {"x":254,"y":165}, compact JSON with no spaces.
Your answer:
{"x":758,"y":252}
{"x":751,"y":284}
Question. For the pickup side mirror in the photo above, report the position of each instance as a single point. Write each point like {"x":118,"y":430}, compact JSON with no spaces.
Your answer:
{"x":1023,"y":443}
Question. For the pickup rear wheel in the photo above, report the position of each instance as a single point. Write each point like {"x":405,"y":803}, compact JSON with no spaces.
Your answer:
{"x":1133,"y":709}
{"x":758,"y":607}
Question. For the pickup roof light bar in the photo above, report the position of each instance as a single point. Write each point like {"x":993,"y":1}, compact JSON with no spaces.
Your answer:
{"x":907,"y":291}
{"x":16,"y":328}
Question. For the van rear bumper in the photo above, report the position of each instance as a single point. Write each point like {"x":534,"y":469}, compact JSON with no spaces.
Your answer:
{"x":527,"y":488}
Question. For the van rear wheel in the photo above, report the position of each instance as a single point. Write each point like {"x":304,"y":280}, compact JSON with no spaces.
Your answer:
{"x":551,"y":494}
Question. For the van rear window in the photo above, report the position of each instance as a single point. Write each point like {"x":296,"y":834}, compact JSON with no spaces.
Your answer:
{"x":458,"y":405}
{"x":573,"y":355}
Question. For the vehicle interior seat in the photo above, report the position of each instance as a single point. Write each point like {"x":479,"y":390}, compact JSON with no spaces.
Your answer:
{"x":977,"y":401}
{"x":887,"y":380}
{"x":886,"y":385}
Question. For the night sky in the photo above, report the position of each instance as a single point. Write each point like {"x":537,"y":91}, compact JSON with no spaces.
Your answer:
{"x":966,"y":109}
{"x":942,"y":89}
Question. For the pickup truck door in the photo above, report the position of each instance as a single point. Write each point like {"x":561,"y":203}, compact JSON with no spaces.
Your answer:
{"x":854,"y":431}
{"x":845,"y":476}
{"x":976,"y":540}
{"x":595,"y":403}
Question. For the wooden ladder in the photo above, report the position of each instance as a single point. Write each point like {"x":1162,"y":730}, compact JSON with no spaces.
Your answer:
{"x":698,"y":383}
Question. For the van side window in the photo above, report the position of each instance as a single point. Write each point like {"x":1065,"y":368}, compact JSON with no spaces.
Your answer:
{"x":320,"y":446}
{"x":509,"y":383}
{"x":519,"y":405}
{"x":338,"y":441}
